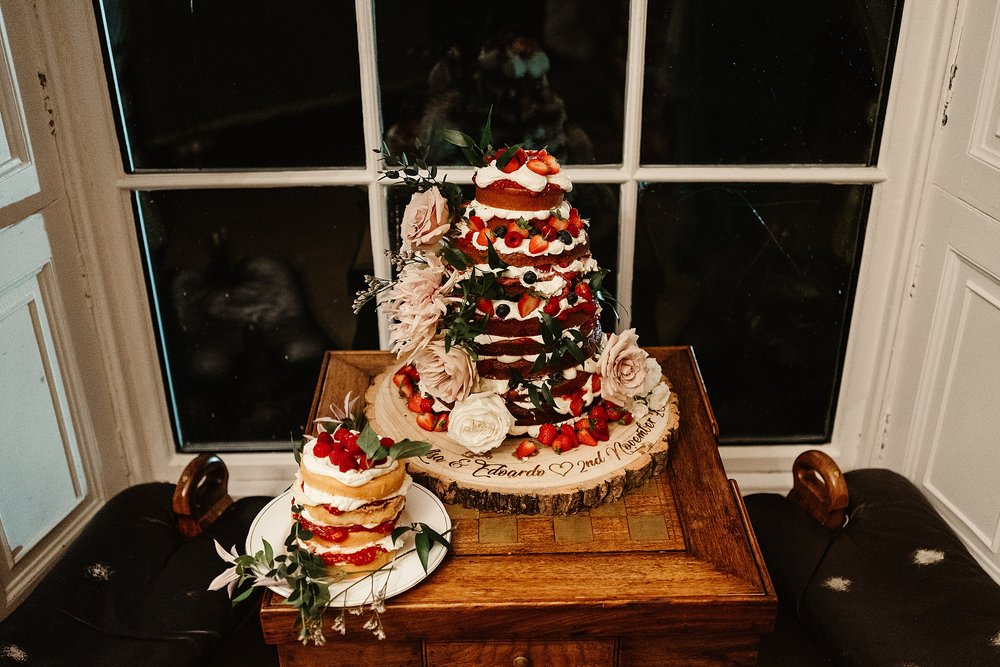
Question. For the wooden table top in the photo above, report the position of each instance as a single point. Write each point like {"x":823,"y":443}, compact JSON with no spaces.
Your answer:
{"x":676,"y":553}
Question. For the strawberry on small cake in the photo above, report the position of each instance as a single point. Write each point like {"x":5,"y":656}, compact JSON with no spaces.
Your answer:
{"x":349,"y":493}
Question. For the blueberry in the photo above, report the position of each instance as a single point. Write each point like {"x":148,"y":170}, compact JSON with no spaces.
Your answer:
{"x":503,"y":310}
{"x":529,"y":278}
{"x":571,"y":298}
{"x":565,"y":237}
{"x":500,"y":231}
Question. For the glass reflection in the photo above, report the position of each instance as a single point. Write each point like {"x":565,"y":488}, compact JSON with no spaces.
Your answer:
{"x":553,"y":72}
{"x":235,"y":84}
{"x":249,"y":288}
{"x":766,"y":81}
{"x":760,"y":280}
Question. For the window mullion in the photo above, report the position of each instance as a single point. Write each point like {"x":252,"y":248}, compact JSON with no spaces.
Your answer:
{"x":630,"y":156}
{"x":377,"y":215}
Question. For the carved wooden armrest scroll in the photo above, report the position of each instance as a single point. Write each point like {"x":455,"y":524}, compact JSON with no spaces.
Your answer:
{"x":201,"y":494}
{"x":819,"y":488}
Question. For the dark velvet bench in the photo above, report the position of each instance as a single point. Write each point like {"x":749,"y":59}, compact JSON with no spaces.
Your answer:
{"x":132,"y":589}
{"x":867,"y":573}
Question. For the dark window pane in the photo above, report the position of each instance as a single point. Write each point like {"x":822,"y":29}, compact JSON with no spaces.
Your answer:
{"x":760,"y":280}
{"x":554,"y":73}
{"x":236,"y":84}
{"x":766,"y":81}
{"x":250,"y":288}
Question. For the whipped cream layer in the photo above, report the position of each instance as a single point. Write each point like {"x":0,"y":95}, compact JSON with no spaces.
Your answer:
{"x":487,"y":213}
{"x":304,"y":494}
{"x":523,"y":176}
{"x":386,"y":543}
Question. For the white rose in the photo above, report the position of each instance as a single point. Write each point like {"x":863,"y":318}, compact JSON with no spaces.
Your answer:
{"x":637,"y":408}
{"x":622,"y":367}
{"x":425,"y":220}
{"x":480,"y":422}
{"x":658,"y":397}
{"x":653,"y":376}
{"x":447,"y":376}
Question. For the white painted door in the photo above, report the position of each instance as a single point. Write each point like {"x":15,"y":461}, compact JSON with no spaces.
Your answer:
{"x":944,"y":417}
{"x":44,"y":489}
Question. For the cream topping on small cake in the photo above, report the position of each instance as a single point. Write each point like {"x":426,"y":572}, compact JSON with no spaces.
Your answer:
{"x":352,"y":478}
{"x":523,"y":176}
{"x":304,"y":494}
{"x":308,"y":516}
{"x":386,"y":543}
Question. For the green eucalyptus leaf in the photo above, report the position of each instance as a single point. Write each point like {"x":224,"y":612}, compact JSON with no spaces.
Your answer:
{"x":533,"y":395}
{"x":422,"y":542}
{"x":540,"y":362}
{"x":243,"y":596}
{"x":369,"y":443}
{"x":507,"y":155}
{"x":486,"y":138}
{"x":547,"y":394}
{"x":435,"y":536}
{"x":574,"y":350}
{"x":268,"y":551}
{"x":409,"y":448}
{"x":398,"y":532}
{"x":494,"y":259}
{"x":305,"y":535}
{"x":456,"y":138}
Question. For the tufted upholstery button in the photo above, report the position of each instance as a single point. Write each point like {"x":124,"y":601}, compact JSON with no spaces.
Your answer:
{"x":521,"y":661}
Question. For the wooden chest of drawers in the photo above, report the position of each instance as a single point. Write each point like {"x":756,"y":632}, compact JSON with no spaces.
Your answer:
{"x":671,"y":574}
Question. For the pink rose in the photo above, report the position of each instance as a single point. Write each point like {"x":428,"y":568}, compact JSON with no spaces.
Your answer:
{"x":447,"y":376}
{"x":416,"y":303}
{"x":425,"y":220}
{"x":622,"y":367}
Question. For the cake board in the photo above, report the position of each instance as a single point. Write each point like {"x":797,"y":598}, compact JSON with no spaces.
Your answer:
{"x":547,"y":483}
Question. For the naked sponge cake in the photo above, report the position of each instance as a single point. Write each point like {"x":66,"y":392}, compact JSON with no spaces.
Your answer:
{"x":350,"y":491}
{"x":496,"y":314}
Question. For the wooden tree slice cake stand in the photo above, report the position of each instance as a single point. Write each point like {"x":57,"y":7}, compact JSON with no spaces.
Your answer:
{"x":547,"y":483}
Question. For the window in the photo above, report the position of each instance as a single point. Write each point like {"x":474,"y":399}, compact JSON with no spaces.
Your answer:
{"x":724,"y":154}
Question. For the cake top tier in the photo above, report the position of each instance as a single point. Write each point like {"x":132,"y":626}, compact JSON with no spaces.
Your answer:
{"x":529,"y":180}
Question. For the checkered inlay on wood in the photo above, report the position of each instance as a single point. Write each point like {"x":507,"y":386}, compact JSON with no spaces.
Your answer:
{"x":644,"y":520}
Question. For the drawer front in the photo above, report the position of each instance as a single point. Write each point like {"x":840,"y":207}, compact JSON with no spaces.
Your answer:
{"x":597,"y":653}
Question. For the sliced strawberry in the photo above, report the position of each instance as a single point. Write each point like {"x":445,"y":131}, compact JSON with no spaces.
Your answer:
{"x":595,"y":386}
{"x":525,"y":450}
{"x":576,"y":406}
{"x":475,"y":222}
{"x":538,"y":244}
{"x":600,"y":430}
{"x":414,"y":404}
{"x":527,"y":303}
{"x":574,"y":218}
{"x":615,"y":412}
{"x":484,"y":238}
{"x":562,"y":443}
{"x":583,"y":291}
{"x":514,"y":238}
{"x":552,"y":164}
{"x":386,"y":442}
{"x":426,"y":404}
{"x":411,"y":370}
{"x":588,"y":307}
{"x":573,"y":231}
{"x":441,"y":422}
{"x":582,"y":425}
{"x":627,"y":418}
{"x":598,"y":412}
{"x":549,"y":233}
{"x":485,"y":305}
{"x":551,"y":307}
{"x":425,"y":420}
{"x":559,"y":224}
{"x":585,"y":438}
{"x":406,"y":388}
{"x":399,"y":376}
{"x":538,"y":166}
{"x":547,"y":433}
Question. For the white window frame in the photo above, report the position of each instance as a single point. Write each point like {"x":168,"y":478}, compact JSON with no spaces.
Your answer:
{"x":110,"y":251}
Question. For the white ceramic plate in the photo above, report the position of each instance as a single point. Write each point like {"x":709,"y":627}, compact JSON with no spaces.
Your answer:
{"x":275,"y":521}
